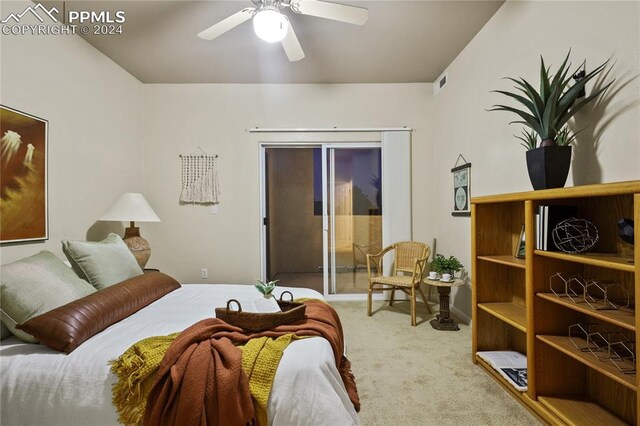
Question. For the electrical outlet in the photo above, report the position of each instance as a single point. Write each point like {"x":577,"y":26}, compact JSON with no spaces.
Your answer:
{"x":204,"y":273}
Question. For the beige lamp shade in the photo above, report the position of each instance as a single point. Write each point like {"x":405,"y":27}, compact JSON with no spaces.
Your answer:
{"x":132,"y":207}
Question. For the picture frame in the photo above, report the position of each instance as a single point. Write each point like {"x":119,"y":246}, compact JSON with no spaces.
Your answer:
{"x":24,"y":214}
{"x":461,"y":189}
{"x":520,"y":247}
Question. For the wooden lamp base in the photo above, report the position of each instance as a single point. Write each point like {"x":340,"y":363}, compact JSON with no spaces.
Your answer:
{"x":138,"y":245}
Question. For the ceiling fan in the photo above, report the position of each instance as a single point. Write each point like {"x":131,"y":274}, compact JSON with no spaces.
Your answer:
{"x":271,"y":25}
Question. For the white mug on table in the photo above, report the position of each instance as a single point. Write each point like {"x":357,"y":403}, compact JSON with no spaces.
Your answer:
{"x":446,"y":277}
{"x":433,"y":275}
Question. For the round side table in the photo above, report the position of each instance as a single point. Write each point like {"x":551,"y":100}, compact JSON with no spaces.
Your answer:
{"x":443,"y":320}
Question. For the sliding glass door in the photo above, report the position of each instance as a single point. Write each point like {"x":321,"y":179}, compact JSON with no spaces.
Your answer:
{"x":322,"y":207}
{"x":294,"y":252}
{"x":354,"y":213}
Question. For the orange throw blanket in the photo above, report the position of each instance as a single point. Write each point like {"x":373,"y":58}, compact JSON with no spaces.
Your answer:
{"x":201,"y":382}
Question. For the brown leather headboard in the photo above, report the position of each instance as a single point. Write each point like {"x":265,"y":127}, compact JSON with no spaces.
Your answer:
{"x":68,"y":326}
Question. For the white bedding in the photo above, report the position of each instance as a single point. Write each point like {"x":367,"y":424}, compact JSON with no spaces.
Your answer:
{"x":41,"y":386}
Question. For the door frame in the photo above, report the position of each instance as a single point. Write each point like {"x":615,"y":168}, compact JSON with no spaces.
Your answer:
{"x":325,"y":146}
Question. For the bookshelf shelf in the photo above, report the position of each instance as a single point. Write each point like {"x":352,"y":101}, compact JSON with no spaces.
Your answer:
{"x":513,"y":308}
{"x":511,"y":313}
{"x":564,"y":345}
{"x":624,"y":318}
{"x":598,"y":190}
{"x":507,"y":259}
{"x":575,"y":410}
{"x":604,"y":260}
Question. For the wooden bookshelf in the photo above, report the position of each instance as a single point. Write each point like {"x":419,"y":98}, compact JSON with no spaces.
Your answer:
{"x":513,"y":308}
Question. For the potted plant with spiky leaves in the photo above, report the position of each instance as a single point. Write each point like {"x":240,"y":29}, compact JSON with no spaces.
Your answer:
{"x":546,"y":113}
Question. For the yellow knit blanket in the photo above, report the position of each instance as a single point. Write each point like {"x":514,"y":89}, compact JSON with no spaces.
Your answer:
{"x":136,"y":367}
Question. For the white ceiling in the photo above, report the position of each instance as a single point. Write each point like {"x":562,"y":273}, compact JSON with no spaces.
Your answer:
{"x":403,"y":41}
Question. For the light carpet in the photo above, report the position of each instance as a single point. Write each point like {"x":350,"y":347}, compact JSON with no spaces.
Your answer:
{"x":420,"y":376}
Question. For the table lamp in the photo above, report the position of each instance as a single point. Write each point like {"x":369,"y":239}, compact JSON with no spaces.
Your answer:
{"x":132,"y":207}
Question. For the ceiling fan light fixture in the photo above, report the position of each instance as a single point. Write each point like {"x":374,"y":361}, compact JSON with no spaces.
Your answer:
{"x":270,"y":25}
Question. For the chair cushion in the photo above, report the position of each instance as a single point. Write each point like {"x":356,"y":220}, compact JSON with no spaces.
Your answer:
{"x":35,"y":285}
{"x":397,"y":280}
{"x":67,"y":327}
{"x":102,"y":263}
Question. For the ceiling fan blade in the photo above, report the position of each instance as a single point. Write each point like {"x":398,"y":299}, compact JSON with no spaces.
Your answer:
{"x":291,"y":45}
{"x":227,"y":24}
{"x":335,"y":11}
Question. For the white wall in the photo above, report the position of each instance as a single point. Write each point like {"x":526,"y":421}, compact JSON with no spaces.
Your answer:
{"x":100,"y":117}
{"x":95,"y":129}
{"x":510,"y":45}
{"x":216,"y":118}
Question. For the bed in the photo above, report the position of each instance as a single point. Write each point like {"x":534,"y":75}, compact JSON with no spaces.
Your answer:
{"x":42,"y":386}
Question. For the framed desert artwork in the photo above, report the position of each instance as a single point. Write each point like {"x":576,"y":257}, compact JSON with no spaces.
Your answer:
{"x":23,"y":183}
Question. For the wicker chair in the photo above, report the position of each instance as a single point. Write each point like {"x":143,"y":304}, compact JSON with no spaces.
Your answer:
{"x":410,"y":258}
{"x":360,"y":254}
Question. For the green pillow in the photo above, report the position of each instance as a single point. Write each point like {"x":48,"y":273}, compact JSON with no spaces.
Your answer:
{"x":35,"y":285}
{"x":102,"y":263}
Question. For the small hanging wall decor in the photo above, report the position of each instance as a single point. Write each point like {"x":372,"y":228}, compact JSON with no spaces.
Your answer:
{"x":199,"y":179}
{"x":461,"y":188}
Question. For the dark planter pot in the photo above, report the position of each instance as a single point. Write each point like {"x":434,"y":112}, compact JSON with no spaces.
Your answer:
{"x":548,"y":166}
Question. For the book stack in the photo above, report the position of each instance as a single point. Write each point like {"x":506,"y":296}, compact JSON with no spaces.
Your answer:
{"x":510,"y":365}
{"x":547,"y":219}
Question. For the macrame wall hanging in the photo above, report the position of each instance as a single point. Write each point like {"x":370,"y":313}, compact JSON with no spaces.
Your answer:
{"x":200,"y":179}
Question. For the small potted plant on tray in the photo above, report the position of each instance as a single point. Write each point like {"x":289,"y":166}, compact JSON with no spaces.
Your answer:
{"x":266,"y":288}
{"x":443,"y":265}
